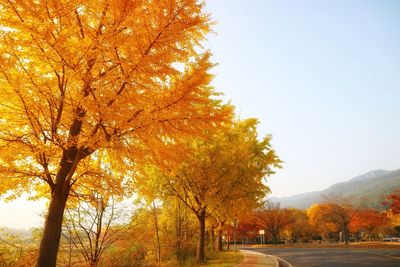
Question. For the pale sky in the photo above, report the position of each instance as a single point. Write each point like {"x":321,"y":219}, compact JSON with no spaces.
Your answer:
{"x":323,"y":77}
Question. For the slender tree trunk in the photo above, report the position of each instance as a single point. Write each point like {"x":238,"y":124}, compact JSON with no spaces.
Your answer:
{"x":218,"y":244}
{"x":346,"y":233}
{"x":218,"y":241}
{"x":274,"y":239}
{"x":178,"y":228}
{"x":200,"y":255}
{"x":212,"y":241}
{"x":228,"y":237}
{"x":52,"y":229}
{"x":157,"y":232}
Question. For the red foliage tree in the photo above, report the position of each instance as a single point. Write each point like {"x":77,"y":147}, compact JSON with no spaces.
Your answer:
{"x":392,"y":201}
{"x":368,"y":220}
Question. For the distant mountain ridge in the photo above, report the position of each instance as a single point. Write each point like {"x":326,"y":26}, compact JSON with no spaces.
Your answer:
{"x":370,"y":189}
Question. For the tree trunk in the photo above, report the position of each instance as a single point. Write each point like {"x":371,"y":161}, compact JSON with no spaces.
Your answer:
{"x":275,"y":239}
{"x":157,"y":232}
{"x":59,"y":193}
{"x":200,"y":255}
{"x":228,"y":237}
{"x":52,"y":229}
{"x":218,"y":240}
{"x":178,"y":229}
{"x":212,"y":233}
{"x":346,"y":234}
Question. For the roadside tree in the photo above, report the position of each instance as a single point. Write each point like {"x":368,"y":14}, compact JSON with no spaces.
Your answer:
{"x":392,"y":202}
{"x":227,"y":164}
{"x":300,"y":229}
{"x":274,"y":220}
{"x":369,"y":220}
{"x":319,"y":223}
{"x":81,"y":76}
{"x":337,"y":211}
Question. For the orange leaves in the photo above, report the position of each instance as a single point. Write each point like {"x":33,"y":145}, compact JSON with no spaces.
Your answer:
{"x":274,"y":220}
{"x":368,"y":220}
{"x":112,"y":67}
{"x":92,"y":91}
{"x":318,"y":214}
{"x":393,"y":201}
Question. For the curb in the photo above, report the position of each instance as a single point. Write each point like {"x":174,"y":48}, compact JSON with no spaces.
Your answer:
{"x":279,"y":260}
{"x":275,"y":259}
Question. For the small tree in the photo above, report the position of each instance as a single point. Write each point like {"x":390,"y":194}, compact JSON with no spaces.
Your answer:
{"x":300,"y":228}
{"x":369,"y":220}
{"x":392,"y":202}
{"x":274,"y":220}
{"x":338,"y":211}
{"x":11,"y":249}
{"x":320,"y":225}
{"x":93,"y":225}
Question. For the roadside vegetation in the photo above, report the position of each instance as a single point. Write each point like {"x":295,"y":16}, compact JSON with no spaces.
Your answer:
{"x":108,"y":113}
{"x":165,"y":232}
{"x":334,"y":221}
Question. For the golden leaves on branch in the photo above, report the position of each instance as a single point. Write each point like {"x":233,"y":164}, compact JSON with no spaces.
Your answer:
{"x":90,"y":75}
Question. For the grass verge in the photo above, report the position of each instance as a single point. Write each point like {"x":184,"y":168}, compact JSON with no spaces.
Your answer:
{"x":224,"y":259}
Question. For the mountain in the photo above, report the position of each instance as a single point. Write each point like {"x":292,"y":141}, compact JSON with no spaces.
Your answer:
{"x":368,"y":190}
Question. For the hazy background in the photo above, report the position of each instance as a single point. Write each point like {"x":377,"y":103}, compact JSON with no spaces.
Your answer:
{"x":323,"y":77}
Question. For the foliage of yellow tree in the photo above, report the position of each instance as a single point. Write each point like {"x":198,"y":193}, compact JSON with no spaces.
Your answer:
{"x":225,"y":165}
{"x":177,"y":229}
{"x":394,"y":223}
{"x":80,"y":76}
{"x":335,"y":211}
{"x":321,"y":226}
{"x":228,"y":211}
{"x":300,"y":228}
{"x":11,"y":249}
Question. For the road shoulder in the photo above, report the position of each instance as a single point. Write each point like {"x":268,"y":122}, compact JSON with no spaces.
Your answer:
{"x":256,"y":259}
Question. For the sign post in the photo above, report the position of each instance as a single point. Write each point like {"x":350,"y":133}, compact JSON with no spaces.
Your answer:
{"x":262,"y":232}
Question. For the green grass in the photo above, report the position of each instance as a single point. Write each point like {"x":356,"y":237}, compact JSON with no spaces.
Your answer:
{"x":224,"y":259}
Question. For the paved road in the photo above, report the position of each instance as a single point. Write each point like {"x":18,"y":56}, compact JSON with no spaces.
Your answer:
{"x":335,"y":257}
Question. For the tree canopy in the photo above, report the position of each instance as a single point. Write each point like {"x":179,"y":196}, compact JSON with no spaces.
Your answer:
{"x":77,"y":77}
{"x":224,"y":169}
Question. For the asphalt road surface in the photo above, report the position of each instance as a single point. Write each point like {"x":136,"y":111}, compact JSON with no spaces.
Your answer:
{"x":335,"y":257}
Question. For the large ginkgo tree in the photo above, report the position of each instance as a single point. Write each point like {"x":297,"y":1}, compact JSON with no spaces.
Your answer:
{"x":77,"y":77}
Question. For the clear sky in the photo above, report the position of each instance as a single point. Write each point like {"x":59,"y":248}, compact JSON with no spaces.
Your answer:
{"x":323,"y":77}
